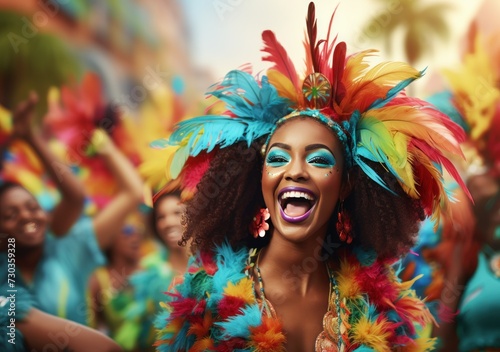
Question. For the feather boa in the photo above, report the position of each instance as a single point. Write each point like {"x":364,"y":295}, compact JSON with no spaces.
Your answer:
{"x":215,"y":308}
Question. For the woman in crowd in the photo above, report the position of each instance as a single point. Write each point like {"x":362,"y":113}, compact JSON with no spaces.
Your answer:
{"x":310,"y":189}
{"x":167,"y":214}
{"x":473,"y":294}
{"x":54,"y":253}
{"x":112,"y":296}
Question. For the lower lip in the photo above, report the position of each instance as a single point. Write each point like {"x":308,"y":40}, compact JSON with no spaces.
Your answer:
{"x":297,"y":218}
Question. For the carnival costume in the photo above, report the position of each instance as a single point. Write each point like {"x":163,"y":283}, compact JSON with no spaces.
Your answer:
{"x":215,"y":308}
{"x":473,"y":100}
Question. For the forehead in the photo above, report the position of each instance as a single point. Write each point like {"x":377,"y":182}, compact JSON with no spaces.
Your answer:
{"x":169,"y":203}
{"x":15,"y":195}
{"x":302,"y":131}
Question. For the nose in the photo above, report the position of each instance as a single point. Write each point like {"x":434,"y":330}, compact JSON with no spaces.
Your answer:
{"x":25,"y":214}
{"x":296,"y":171}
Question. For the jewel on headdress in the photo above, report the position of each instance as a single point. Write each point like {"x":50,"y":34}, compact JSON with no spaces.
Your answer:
{"x":317,"y":90}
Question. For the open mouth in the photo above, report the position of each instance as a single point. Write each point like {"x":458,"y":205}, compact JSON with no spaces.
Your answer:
{"x":296,"y":204}
{"x":30,"y":228}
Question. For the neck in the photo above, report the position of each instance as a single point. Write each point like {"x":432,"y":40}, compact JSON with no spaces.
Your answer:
{"x":298,"y":266}
{"x":125,"y":265}
{"x":27,"y":261}
{"x":178,"y":258}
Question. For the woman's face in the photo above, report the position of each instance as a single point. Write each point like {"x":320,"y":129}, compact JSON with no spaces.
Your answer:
{"x":128,"y":243}
{"x":301,"y":178}
{"x":168,"y":217}
{"x":22,"y":218}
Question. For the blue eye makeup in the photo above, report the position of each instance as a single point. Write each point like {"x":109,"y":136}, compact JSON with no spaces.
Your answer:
{"x":321,"y":158}
{"x":277,"y":157}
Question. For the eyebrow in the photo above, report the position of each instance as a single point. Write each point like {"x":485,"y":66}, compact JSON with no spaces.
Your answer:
{"x":307,"y":148}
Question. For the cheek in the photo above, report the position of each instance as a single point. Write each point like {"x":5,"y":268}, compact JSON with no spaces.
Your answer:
{"x":270,"y":181}
{"x":42,"y":215}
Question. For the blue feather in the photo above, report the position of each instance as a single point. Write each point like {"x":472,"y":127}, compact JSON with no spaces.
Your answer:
{"x":238,"y":326}
{"x":364,"y":348}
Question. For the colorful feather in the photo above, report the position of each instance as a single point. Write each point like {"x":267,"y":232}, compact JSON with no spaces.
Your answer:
{"x":282,"y":62}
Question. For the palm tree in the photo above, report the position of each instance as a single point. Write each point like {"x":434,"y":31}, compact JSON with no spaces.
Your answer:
{"x":32,"y":61}
{"x":420,"y":24}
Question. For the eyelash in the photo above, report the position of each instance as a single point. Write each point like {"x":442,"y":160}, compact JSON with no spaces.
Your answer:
{"x":319,"y":160}
{"x":277,"y":159}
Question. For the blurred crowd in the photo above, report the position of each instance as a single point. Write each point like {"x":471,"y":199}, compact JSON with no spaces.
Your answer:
{"x":90,"y":228}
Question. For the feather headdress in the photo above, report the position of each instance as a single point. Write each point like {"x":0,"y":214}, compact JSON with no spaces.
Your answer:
{"x":366,"y":106}
{"x":475,"y":96}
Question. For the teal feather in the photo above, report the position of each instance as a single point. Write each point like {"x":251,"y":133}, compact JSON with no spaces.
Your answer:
{"x":257,"y":111}
{"x":200,"y":284}
{"x":161,"y":143}
{"x":366,"y":257}
{"x":246,"y":99}
{"x":230,"y":269}
{"x":359,"y":151}
{"x":178,"y":161}
{"x":238,"y":326}
{"x":364,"y":348}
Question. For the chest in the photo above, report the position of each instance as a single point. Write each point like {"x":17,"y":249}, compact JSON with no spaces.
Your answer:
{"x":302,"y":319}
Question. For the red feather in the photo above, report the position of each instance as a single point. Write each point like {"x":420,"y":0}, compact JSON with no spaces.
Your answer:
{"x":338,"y":88}
{"x":326,"y":53}
{"x":312,"y":30}
{"x":436,"y":156}
{"x":280,"y":58}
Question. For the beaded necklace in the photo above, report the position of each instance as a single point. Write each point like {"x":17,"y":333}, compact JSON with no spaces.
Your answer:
{"x":330,"y":338}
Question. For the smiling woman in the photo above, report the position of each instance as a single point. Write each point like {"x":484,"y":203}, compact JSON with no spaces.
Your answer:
{"x":346,"y":165}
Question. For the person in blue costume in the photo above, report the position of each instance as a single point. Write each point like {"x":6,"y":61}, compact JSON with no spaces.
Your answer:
{"x":111,"y":294}
{"x":25,"y":328}
{"x":55,"y":253}
{"x":140,"y":299}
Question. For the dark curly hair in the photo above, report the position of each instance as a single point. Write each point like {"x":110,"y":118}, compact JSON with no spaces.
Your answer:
{"x":230,"y":193}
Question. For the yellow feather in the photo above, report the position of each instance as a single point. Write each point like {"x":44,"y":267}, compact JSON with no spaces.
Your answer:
{"x":243,"y":289}
{"x":5,"y":120}
{"x":373,"y":334}
{"x":422,"y":344}
{"x":475,"y":90}
{"x":368,"y":86}
{"x":356,"y":65}
{"x":416,"y":123}
{"x":403,"y":166}
{"x":347,"y":285}
{"x":283,"y":85}
{"x":153,"y":168}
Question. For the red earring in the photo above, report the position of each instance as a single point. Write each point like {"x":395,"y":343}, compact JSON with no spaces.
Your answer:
{"x":344,"y":226}
{"x":259,"y":226}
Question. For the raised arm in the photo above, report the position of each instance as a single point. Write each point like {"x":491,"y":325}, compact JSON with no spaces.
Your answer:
{"x":41,"y":330}
{"x":108,"y":222}
{"x":70,"y":207}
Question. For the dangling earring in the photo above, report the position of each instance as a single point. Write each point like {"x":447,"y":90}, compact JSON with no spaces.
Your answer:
{"x":259,"y":226}
{"x":344,"y":226}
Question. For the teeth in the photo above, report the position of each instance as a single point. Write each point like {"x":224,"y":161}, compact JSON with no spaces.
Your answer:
{"x":295,"y":194}
{"x":30,"y":227}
